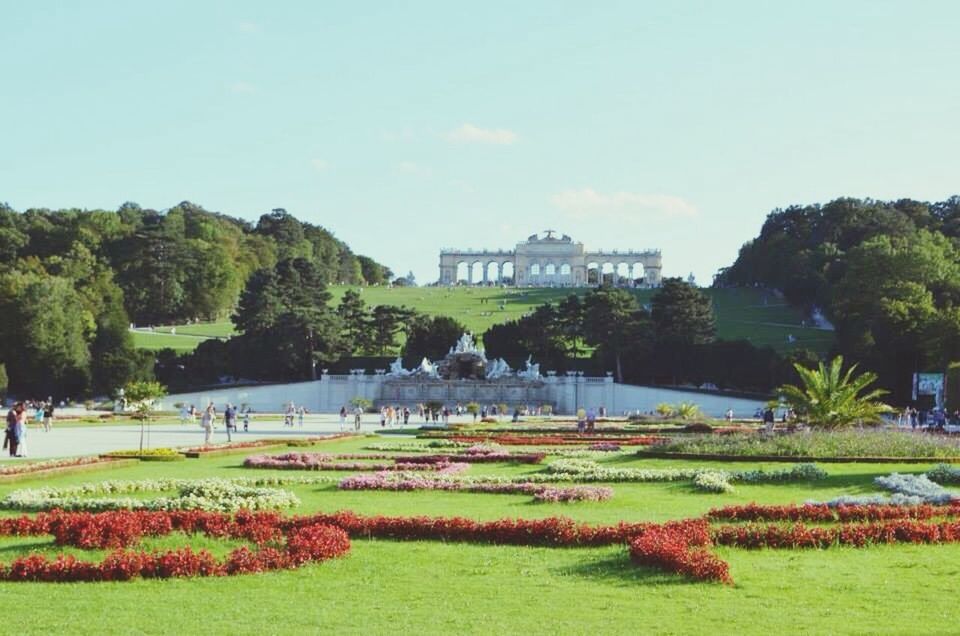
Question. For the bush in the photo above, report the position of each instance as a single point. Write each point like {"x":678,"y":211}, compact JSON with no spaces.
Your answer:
{"x":698,"y":427}
{"x":149,"y":454}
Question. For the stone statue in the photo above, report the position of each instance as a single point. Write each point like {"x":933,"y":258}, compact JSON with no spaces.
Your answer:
{"x":531,"y":372}
{"x":397,"y":370}
{"x":466,"y":344}
{"x":427,"y":369}
{"x":498,"y":369}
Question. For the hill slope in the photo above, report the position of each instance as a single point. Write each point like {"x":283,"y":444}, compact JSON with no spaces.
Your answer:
{"x":751,"y":314}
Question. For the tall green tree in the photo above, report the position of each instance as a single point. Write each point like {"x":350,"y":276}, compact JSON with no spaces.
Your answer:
{"x":356,"y":320}
{"x":387,"y":322}
{"x":682,"y":314}
{"x":614,"y":322}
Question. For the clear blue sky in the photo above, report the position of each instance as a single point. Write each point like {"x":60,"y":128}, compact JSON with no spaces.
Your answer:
{"x":407,"y":127}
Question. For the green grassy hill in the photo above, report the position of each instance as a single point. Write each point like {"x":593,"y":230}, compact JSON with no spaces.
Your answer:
{"x":749,"y":314}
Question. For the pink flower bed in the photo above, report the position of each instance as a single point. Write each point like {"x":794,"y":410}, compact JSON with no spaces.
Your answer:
{"x":320,"y":461}
{"x":476,"y":457}
{"x":50,"y":464}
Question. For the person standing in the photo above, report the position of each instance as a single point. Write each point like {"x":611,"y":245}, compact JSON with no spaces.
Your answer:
{"x":206,"y":421}
{"x":343,"y":418}
{"x":581,"y":420}
{"x":357,"y":415}
{"x":230,"y":420}
{"x":48,"y":416}
{"x":11,"y":440}
{"x":184,"y":414}
{"x":768,"y":419}
{"x":729,"y":416}
{"x":246,"y":419}
{"x":300,"y":413}
{"x":21,"y":431}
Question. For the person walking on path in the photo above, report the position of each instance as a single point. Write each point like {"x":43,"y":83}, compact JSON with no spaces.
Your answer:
{"x":21,"y":431}
{"x":581,"y":420}
{"x":357,"y":415}
{"x":246,"y":419}
{"x":230,"y":420}
{"x":206,"y":421}
{"x":343,"y":418}
{"x":300,"y":413}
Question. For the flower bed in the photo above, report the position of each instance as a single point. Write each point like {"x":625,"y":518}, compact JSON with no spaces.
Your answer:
{"x":821,"y":513}
{"x":198,"y":494}
{"x":585,"y":470}
{"x":682,"y":549}
{"x":231,"y":447}
{"x":320,"y":461}
{"x":540,"y":492}
{"x":820,"y":445}
{"x":31,"y":470}
{"x":554,"y":440}
{"x":279,"y":545}
{"x":147,"y":454}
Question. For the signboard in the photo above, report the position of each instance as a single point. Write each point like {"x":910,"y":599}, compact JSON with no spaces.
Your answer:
{"x":928,"y":384}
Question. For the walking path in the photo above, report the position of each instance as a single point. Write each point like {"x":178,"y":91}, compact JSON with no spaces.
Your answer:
{"x":96,"y":439}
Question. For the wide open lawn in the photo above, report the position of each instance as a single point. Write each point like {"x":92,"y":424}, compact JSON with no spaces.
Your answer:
{"x":430,"y":587}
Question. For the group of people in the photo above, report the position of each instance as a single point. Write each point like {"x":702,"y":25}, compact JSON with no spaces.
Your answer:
{"x":18,"y":417}
{"x":294,"y":412}
{"x":357,"y":417}
{"x":935,"y":419}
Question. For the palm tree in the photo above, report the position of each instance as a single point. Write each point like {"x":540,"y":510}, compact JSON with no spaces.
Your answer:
{"x":830,"y":398}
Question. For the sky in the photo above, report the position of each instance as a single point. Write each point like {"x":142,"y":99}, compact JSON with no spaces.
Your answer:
{"x":407,"y":127}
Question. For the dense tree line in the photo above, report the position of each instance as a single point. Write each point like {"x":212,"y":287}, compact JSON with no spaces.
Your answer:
{"x":71,"y":282}
{"x":670,"y":342}
{"x":887,"y":274}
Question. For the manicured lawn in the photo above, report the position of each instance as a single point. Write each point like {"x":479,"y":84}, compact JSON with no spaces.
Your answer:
{"x":427,"y":587}
{"x":748,"y":314}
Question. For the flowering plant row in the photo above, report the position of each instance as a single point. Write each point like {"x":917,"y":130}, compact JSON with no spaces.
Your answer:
{"x":257,"y":443}
{"x":799,"y":535}
{"x":555,"y":440}
{"x":540,"y":492}
{"x":33,"y":467}
{"x":279,"y":545}
{"x":475,"y":457}
{"x":199,"y":494}
{"x":824,"y":513}
{"x":708,"y":479}
{"x":319,"y":461}
{"x":944,"y":474}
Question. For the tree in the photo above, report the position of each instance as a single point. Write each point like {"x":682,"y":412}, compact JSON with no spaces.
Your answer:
{"x":3,"y":381}
{"x":430,"y":337}
{"x":142,"y":396}
{"x":829,"y":398}
{"x":614,"y":323}
{"x":355,"y":318}
{"x":285,"y":311}
{"x":682,"y":314}
{"x":387,"y":322}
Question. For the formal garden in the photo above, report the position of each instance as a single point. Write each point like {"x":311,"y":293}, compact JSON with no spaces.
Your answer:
{"x":491,"y":528}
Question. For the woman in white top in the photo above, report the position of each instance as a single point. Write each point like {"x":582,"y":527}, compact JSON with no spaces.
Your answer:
{"x":206,"y":421}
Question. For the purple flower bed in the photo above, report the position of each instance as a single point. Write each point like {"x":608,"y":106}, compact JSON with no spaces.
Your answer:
{"x":604,"y":446}
{"x":476,"y":458}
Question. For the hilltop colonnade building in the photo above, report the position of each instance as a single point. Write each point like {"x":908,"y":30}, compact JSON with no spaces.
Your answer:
{"x":548,"y":261}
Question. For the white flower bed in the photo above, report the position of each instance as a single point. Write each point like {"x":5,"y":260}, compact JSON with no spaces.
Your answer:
{"x":908,"y":490}
{"x":212,"y":495}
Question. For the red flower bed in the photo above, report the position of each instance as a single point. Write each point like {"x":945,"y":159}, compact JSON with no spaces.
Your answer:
{"x":849,"y":534}
{"x":280,"y":545}
{"x":681,"y":548}
{"x":824,"y":513}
